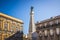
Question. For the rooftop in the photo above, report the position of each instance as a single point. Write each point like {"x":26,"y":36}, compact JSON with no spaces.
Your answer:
{"x":51,"y":18}
{"x":10,"y":17}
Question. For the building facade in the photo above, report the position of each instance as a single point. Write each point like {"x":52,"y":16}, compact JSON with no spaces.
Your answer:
{"x":49,"y":29}
{"x":17,"y":36}
{"x":9,"y":26}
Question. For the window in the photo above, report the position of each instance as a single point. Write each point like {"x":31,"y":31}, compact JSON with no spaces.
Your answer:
{"x":45,"y":24}
{"x":18,"y":26}
{"x":11,"y":30}
{"x":40,"y":25}
{"x":13,"y":26}
{"x":40,"y":33}
{"x":59,"y":20}
{"x":45,"y":32}
{"x":51,"y":31}
{"x":56,"y":21}
{"x":5,"y":25}
{"x":57,"y":31}
{"x":0,"y":24}
{"x":17,"y":29}
{"x":51,"y":23}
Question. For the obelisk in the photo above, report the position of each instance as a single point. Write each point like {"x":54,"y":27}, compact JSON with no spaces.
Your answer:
{"x":32,"y":28}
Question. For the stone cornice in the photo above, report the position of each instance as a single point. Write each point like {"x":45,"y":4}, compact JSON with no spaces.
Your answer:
{"x":12,"y":18}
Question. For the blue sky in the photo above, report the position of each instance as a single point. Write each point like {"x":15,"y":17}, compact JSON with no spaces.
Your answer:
{"x":43,"y":9}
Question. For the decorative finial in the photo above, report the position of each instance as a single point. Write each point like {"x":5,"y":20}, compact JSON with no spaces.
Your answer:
{"x":32,"y":8}
{"x":32,"y":11}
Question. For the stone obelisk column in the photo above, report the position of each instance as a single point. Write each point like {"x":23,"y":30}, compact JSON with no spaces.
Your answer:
{"x":31,"y":24}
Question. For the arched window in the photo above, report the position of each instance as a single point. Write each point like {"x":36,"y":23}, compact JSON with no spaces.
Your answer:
{"x":45,"y":32}
{"x":51,"y":31}
{"x":57,"y":31}
{"x":51,"y":34}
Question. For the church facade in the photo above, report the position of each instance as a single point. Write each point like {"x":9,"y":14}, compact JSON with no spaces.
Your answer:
{"x":49,"y":29}
{"x":9,"y":26}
